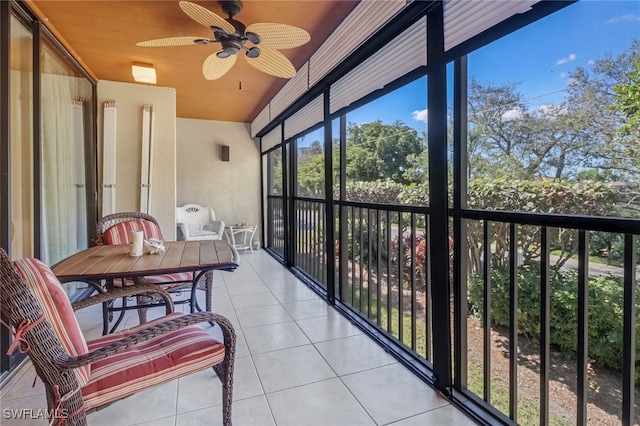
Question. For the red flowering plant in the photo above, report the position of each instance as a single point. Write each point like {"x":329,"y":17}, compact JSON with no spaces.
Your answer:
{"x":418,"y":264}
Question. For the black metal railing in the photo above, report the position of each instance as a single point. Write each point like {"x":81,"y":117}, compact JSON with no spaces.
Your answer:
{"x":511,"y":274}
{"x":275,"y":224}
{"x":384,"y":271}
{"x":310,"y":255}
{"x":532,"y":293}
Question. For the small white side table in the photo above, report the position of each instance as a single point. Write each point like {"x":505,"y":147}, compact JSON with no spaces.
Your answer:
{"x":240,"y":235}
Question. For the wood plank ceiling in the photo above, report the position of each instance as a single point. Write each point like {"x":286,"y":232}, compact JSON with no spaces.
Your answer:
{"x":102,"y":35}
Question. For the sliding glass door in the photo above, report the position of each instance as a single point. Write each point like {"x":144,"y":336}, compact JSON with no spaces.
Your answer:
{"x":48,"y":149}
{"x":66,"y":111}
{"x":21,"y":214}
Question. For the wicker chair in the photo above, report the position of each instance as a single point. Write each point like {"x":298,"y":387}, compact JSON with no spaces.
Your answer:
{"x":81,"y":376}
{"x":115,"y":228}
{"x":196,"y":222}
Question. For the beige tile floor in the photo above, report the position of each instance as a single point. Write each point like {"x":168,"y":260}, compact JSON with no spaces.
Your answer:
{"x":298,"y":363}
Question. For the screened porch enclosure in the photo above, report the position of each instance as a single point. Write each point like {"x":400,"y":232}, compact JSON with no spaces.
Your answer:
{"x":507,"y":281}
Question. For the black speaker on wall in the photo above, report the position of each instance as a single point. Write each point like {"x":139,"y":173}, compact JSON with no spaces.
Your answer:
{"x":224,"y":153}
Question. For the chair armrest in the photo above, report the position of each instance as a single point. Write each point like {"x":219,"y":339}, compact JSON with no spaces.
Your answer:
{"x":153,"y":332}
{"x":217,"y":226}
{"x":118,"y":292}
{"x":220,"y":227}
{"x":185,"y":230}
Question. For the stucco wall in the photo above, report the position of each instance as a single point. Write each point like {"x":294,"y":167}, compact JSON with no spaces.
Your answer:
{"x":130,"y":100}
{"x":232,"y":188}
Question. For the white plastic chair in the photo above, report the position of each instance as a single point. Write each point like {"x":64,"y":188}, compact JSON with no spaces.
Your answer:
{"x":199,"y":223}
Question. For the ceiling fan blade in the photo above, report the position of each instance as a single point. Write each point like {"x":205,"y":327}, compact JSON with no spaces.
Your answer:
{"x":279,"y":36}
{"x":205,"y":16}
{"x":171,"y":41}
{"x":215,"y":67}
{"x":273,"y":63}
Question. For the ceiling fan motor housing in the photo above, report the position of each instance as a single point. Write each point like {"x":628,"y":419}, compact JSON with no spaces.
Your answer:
{"x":231,"y":46}
{"x":232,"y":43}
{"x":231,"y":7}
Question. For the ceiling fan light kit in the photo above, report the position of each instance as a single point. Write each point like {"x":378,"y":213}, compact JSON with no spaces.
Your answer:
{"x":232,"y":35}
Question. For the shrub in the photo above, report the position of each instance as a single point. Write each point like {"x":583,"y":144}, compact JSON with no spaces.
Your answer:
{"x":382,"y":191}
{"x":605,"y":311}
{"x":609,"y":246}
{"x":539,"y":196}
{"x":417,"y":265}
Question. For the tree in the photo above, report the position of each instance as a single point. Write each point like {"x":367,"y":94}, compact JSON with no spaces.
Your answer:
{"x":311,"y":176}
{"x":596,"y":125}
{"x":311,"y":170}
{"x":313,"y":150}
{"x":418,"y":164}
{"x":310,"y":179}
{"x":610,"y":91}
{"x":520,"y":141}
{"x":275,"y":172}
{"x":378,"y":151}
{"x":493,"y":113}
{"x":628,"y":101}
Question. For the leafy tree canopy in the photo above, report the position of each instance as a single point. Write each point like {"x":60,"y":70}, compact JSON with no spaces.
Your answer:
{"x":628,"y":101}
{"x":381,"y":151}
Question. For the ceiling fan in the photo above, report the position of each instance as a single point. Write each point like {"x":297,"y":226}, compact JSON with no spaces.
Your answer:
{"x":233,"y":37}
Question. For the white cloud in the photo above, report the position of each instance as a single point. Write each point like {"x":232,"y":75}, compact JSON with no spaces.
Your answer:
{"x":420,"y":115}
{"x":512,"y":114}
{"x":623,"y":18}
{"x":564,"y":75}
{"x":571,"y":57}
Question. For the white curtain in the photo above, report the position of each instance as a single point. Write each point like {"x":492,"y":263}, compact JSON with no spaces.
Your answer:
{"x":63,"y":167}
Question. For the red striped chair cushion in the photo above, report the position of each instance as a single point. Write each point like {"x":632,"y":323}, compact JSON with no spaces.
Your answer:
{"x":119,"y":233}
{"x":149,"y":363}
{"x":170,"y":278}
{"x":168,"y":281}
{"x":57,"y":309}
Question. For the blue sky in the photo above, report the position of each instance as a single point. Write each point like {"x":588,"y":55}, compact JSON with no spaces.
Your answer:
{"x":538,"y":58}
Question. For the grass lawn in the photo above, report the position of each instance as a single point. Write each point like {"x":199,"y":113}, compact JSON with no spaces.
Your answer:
{"x":594,"y":259}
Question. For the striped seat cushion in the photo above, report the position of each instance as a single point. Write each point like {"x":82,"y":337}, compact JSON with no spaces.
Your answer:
{"x":170,"y":278}
{"x":119,"y":233}
{"x":168,"y":281}
{"x":53,"y":300}
{"x":149,"y":363}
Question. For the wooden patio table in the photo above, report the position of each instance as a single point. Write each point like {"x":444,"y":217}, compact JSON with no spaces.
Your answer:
{"x":110,"y":262}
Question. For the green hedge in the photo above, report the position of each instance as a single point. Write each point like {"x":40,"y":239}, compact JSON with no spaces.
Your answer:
{"x":605,"y":311}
